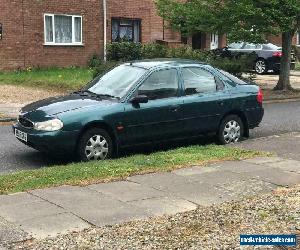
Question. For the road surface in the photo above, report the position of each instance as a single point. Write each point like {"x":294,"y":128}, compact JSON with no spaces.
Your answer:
{"x":279,"y":118}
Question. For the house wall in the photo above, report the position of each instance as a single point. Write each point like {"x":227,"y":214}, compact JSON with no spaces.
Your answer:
{"x":151,"y":24}
{"x":23,"y":46}
{"x":278,"y":40}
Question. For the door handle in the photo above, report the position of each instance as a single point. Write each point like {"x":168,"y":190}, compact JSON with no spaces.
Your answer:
{"x":175,"y":108}
{"x":221,"y":103}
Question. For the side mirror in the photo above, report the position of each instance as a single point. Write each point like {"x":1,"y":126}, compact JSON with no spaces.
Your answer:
{"x":139,"y":99}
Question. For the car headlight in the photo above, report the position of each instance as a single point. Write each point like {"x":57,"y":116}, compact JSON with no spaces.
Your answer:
{"x":51,"y":125}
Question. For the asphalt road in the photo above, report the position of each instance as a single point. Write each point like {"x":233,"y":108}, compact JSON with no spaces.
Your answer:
{"x":279,"y":118}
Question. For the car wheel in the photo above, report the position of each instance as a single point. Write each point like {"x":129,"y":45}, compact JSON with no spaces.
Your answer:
{"x":261,"y":66}
{"x":95,"y":144}
{"x":231,"y":130}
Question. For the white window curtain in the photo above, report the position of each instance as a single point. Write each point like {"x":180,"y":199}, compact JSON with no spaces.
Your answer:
{"x":63,"y":29}
{"x":49,"y":28}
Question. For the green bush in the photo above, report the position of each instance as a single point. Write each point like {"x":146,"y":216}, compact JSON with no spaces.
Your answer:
{"x":129,"y":51}
{"x":95,"y":61}
{"x":104,"y":67}
{"x":154,"y":50}
{"x":124,"y":51}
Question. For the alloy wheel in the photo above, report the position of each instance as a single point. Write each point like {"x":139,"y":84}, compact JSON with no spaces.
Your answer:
{"x":232,"y":132}
{"x":97,"y":148}
{"x":260,"y":67}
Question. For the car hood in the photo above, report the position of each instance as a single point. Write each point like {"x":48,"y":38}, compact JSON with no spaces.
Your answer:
{"x":57,"y":105}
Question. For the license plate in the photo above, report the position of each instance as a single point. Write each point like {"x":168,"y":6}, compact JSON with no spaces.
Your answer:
{"x":21,"y":135}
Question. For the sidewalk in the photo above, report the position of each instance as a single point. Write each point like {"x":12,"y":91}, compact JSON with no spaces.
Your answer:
{"x":53,"y":211}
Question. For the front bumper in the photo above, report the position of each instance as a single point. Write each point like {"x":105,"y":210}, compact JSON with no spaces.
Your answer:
{"x":58,"y":142}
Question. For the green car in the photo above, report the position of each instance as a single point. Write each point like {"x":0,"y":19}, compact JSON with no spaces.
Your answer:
{"x":139,"y":103}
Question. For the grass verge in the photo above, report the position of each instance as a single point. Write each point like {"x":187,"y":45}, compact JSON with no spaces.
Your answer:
{"x":95,"y":172}
{"x":52,"y":78}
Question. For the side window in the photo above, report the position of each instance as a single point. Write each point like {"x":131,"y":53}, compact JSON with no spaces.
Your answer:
{"x":235,"y":45}
{"x":197,"y":80}
{"x":161,"y":84}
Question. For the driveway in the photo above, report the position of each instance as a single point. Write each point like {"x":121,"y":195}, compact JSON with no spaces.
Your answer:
{"x":279,"y":118}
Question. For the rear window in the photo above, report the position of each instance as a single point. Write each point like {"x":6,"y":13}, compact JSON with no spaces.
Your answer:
{"x":233,"y":78}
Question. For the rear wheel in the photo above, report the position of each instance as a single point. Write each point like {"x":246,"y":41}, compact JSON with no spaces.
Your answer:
{"x":231,"y":130}
{"x":261,"y":66}
{"x":94,"y":145}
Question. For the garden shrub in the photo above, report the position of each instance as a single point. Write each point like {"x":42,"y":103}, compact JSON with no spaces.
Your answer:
{"x":104,"y":67}
{"x":128,"y":51}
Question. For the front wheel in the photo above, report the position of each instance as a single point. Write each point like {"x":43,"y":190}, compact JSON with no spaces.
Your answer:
{"x":231,"y":130}
{"x":95,"y":144}
{"x":261,"y":67}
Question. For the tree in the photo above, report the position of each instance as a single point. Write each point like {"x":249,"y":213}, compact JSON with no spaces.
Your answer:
{"x":241,"y":20}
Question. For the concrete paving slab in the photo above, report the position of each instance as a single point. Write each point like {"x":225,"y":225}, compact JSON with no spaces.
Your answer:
{"x":203,"y":194}
{"x":127,"y":191}
{"x":52,"y":225}
{"x":263,"y":160}
{"x":165,"y":205}
{"x":17,"y":199}
{"x":218,"y":177}
{"x":286,"y":165}
{"x":28,"y":211}
{"x":10,"y":233}
{"x":237,"y":167}
{"x":160,"y":181}
{"x":276,"y":176}
{"x":94,"y":207}
{"x":194,"y":170}
{"x":251,"y":187}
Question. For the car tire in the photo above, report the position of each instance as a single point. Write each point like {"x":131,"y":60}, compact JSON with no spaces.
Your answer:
{"x":95,"y":144}
{"x":261,"y":66}
{"x":231,"y":130}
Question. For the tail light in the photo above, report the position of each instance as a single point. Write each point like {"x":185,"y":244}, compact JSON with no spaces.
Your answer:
{"x":260,"y":96}
{"x":277,"y":54}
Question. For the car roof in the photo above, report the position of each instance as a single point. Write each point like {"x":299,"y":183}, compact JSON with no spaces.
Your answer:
{"x":155,"y":63}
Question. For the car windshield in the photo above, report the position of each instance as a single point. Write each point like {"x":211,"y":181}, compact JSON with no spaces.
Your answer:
{"x":116,"y":82}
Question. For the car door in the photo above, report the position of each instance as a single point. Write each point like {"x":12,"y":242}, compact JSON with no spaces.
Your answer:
{"x":157,"y":119}
{"x":206,"y":100}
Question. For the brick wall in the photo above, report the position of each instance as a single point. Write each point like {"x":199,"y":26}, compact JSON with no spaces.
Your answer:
{"x":278,"y":41}
{"x":23,"y":46}
{"x":151,"y":23}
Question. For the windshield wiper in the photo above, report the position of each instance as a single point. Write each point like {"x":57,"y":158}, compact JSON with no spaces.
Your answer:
{"x":107,"y":95}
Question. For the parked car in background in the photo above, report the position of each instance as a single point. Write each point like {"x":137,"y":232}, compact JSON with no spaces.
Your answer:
{"x":139,"y":103}
{"x":266,"y":56}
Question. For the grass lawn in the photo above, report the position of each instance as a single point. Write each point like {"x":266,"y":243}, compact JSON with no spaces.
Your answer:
{"x":52,"y":78}
{"x":95,"y":172}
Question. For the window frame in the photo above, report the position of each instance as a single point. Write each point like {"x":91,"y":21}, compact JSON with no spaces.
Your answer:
{"x":74,"y":43}
{"x":119,"y":19}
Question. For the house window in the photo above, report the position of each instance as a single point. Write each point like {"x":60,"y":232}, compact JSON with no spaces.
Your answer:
{"x":126,"y":29}
{"x":63,"y":30}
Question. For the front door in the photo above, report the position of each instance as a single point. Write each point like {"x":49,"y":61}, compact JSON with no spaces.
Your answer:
{"x":205,"y":101}
{"x":214,"y":41}
{"x":158,"y":119}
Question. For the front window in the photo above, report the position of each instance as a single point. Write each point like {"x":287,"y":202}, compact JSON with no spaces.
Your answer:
{"x":161,"y":84}
{"x":116,"y":82}
{"x":63,"y":30}
{"x":126,"y":29}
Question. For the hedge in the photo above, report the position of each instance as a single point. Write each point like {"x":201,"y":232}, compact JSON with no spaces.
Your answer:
{"x":128,"y":51}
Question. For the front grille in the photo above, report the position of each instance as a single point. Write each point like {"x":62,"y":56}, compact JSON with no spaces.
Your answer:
{"x":25,"y":122}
